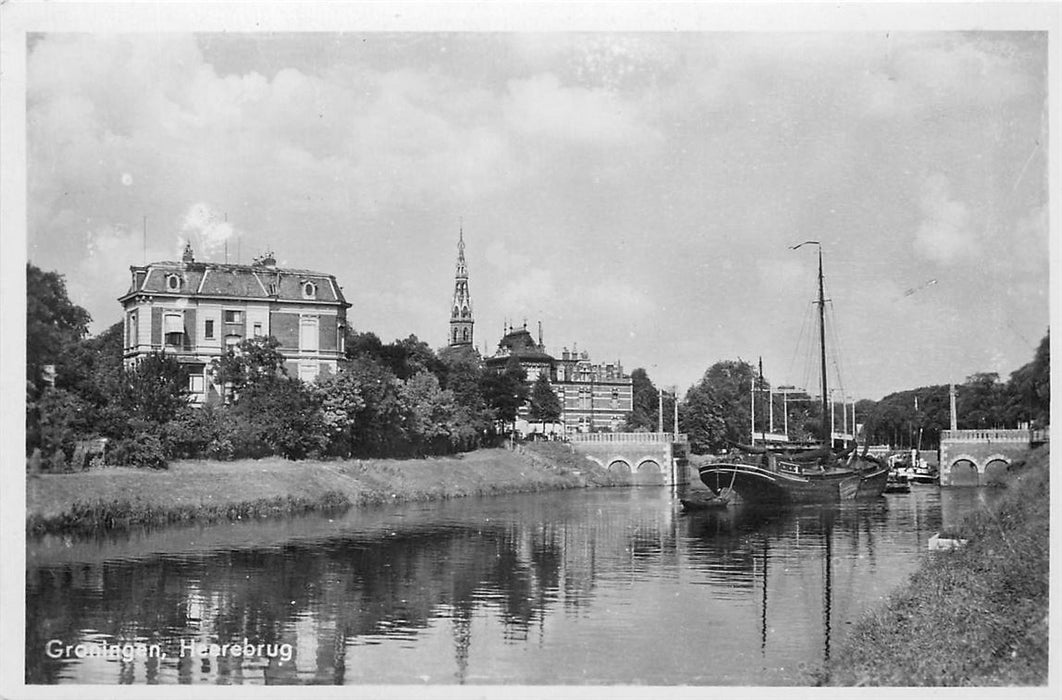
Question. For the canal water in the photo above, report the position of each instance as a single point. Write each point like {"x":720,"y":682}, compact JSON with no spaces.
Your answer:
{"x":602,"y":586}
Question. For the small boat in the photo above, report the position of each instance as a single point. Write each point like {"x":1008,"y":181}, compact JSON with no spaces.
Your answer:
{"x":764,"y":474}
{"x":897,"y":483}
{"x":704,"y":500}
{"x":923,"y":476}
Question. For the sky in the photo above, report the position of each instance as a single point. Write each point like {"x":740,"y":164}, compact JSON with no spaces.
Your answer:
{"x":636,"y":192}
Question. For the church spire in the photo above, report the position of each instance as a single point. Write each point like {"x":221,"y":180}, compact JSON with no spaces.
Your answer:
{"x":461,"y":314}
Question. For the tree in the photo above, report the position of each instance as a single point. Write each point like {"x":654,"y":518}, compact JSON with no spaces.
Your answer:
{"x":429,"y":413}
{"x":250,"y":361}
{"x":644,"y":403}
{"x":1029,"y":389}
{"x":155,"y":389}
{"x":279,"y":415}
{"x":341,"y":402}
{"x":506,"y":392}
{"x":53,"y":322}
{"x":545,"y":406}
{"x":702,"y":420}
{"x":92,"y":368}
{"x":378,"y":424}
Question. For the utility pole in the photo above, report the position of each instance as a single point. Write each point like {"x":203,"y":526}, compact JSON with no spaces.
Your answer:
{"x":660,"y":410}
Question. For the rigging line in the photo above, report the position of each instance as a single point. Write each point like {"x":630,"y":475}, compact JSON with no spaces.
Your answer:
{"x":837,"y":354}
{"x":800,"y":338}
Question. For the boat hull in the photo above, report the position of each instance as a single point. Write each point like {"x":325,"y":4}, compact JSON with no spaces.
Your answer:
{"x":757,"y":484}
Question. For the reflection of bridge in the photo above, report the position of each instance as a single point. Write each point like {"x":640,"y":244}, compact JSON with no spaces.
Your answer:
{"x":982,"y":457}
{"x":637,"y":458}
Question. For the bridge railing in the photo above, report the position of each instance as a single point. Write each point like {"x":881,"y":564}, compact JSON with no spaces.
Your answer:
{"x":627,"y":437}
{"x":998,"y":435}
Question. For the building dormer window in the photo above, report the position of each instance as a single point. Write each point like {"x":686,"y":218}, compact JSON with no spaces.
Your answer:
{"x":173,"y":283}
{"x":309,"y":290}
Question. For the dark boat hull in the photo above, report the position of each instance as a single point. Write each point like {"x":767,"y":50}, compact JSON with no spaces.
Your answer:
{"x":757,"y":484}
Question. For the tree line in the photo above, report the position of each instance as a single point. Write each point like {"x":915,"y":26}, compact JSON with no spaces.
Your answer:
{"x":398,"y":399}
{"x":403,"y":399}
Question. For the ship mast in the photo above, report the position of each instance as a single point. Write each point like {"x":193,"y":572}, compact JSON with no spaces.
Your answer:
{"x":826,"y":431}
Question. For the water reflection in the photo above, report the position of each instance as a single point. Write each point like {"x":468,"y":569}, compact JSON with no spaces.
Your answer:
{"x":614,"y":586}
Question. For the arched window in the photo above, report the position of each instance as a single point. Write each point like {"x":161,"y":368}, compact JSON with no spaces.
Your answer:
{"x":464,"y":335}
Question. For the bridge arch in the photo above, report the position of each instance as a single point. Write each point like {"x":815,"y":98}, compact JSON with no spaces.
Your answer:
{"x":649,"y":473}
{"x":995,"y":470}
{"x":620,"y":470}
{"x":964,"y":472}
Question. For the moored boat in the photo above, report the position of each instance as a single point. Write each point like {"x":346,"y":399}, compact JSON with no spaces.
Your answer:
{"x":897,"y":483}
{"x":821,"y":475}
{"x":702,"y":500}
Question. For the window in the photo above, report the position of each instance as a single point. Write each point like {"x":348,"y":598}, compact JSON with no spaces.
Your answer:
{"x":131,"y":332}
{"x":196,"y":385}
{"x":232,"y":316}
{"x":173,"y":282}
{"x":308,"y":334}
{"x":208,"y":329}
{"x":173,"y":329}
{"x":585,"y":398}
{"x":615,"y":398}
{"x":257,"y":330}
{"x":232,"y":340}
{"x":309,"y":290}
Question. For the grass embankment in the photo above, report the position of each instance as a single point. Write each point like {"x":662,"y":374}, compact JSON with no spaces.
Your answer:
{"x":977,"y":616}
{"x":206,"y":491}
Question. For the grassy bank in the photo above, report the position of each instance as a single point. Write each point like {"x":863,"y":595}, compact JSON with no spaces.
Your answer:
{"x":977,"y":616}
{"x":206,"y":491}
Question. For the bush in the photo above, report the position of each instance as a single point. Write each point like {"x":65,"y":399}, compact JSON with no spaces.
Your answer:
{"x":200,"y":432}
{"x":143,"y":449}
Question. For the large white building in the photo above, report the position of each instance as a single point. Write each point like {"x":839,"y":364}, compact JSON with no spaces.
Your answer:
{"x":197,"y":310}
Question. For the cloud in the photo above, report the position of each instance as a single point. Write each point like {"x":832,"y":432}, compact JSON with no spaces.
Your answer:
{"x":944,"y":235}
{"x":542,"y":107}
{"x":206,"y":229}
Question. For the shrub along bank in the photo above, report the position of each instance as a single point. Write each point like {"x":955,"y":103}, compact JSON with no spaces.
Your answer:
{"x":207,"y":491}
{"x":976,"y":616}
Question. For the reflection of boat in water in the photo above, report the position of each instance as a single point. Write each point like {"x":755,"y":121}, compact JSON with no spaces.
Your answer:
{"x":897,"y":483}
{"x":761,"y":474}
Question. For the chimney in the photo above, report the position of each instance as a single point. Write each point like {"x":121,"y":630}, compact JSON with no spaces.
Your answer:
{"x":188,"y":256}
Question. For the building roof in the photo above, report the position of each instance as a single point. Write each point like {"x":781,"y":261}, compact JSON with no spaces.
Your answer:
{"x":519,"y":342}
{"x":223,"y":280}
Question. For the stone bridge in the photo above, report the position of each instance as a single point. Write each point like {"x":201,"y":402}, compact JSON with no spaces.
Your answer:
{"x":637,"y":458}
{"x":982,"y":457}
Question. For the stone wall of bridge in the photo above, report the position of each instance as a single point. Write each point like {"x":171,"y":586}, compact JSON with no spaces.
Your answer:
{"x":638,"y":459}
{"x":979,"y":457}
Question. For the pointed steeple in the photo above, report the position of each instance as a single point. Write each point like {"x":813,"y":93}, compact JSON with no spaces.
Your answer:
{"x":461,"y":322}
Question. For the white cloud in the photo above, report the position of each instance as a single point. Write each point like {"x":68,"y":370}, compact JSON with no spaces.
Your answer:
{"x":944,"y":235}
{"x":206,"y":229}
{"x":540,"y":106}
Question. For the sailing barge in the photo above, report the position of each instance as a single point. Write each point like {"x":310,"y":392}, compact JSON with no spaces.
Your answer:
{"x":761,"y":474}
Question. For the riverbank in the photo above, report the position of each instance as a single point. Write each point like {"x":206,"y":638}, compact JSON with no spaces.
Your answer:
{"x":976,"y":616}
{"x":208,"y":491}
